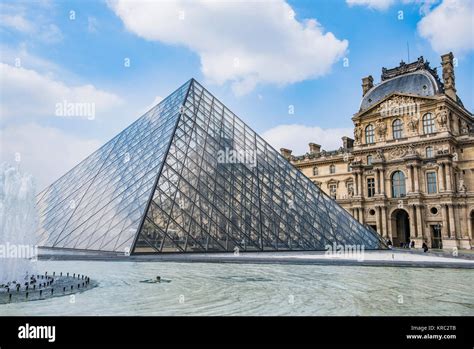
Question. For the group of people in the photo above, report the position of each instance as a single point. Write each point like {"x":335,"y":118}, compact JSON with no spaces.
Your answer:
{"x":411,"y":244}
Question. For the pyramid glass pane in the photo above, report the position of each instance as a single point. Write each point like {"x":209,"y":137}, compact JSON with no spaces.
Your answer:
{"x":190,"y":176}
{"x":98,"y":205}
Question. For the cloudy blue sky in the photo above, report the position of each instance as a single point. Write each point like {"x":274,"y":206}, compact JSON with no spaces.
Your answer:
{"x":263,"y":59}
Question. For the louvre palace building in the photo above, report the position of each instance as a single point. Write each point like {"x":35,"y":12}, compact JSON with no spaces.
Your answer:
{"x":408,"y":172}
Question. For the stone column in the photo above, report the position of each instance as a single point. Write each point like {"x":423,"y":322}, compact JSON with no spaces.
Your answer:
{"x":361,"y":185}
{"x":464,"y":222}
{"x":377,"y":182}
{"x":448,"y":169}
{"x":384,"y":221}
{"x":377,"y":220}
{"x":412,"y":221}
{"x":410,"y":183}
{"x":416,"y":179}
{"x":361,"y":215}
{"x":389,"y":228}
{"x":419,"y":222}
{"x":445,"y":226}
{"x":452,"y":222}
{"x":382,"y":181}
{"x":441,"y":177}
{"x":356,"y":184}
{"x":469,"y":226}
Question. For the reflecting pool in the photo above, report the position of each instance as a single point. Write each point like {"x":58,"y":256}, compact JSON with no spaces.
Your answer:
{"x":251,"y":289}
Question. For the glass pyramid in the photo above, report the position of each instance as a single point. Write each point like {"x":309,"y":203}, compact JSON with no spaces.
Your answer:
{"x":190,"y":176}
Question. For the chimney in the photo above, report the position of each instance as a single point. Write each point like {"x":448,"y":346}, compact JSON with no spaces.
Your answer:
{"x":314,"y":148}
{"x":286,"y":153}
{"x":448,"y":75}
{"x":367,"y":84}
{"x":347,"y":143}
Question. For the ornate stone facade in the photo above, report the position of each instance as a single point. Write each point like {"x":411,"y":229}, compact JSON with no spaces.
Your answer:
{"x":409,"y":172}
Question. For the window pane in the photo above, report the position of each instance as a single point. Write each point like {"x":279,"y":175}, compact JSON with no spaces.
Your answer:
{"x":431,"y":182}
{"x":397,"y":129}
{"x":369,"y":134}
{"x":428,"y":123}
{"x":370,"y":187}
{"x":429,"y":152}
{"x":398,"y":184}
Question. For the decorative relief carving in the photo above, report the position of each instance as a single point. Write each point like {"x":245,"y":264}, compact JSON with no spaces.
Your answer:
{"x":398,"y":105}
{"x":411,"y":150}
{"x":398,"y":153}
{"x":379,"y":155}
{"x":350,"y":191}
{"x":462,"y":187}
{"x":402,"y":151}
{"x":413,"y":124}
{"x":464,"y":127}
{"x":357,"y":134}
{"x":442,"y":115}
{"x":381,"y":129}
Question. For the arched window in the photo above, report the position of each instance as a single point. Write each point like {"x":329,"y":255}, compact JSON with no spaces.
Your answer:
{"x":315,"y":171}
{"x":429,"y":152}
{"x":332,"y":169}
{"x":369,"y":134}
{"x":398,"y":184}
{"x":369,"y":159}
{"x":397,"y":129}
{"x":429,"y":123}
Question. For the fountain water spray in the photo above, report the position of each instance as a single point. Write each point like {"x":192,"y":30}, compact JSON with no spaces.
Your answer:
{"x":18,"y":225}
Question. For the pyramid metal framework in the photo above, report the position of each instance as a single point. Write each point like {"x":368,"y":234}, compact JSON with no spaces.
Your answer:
{"x":190,"y":176}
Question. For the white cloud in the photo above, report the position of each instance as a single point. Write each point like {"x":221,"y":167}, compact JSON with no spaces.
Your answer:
{"x":27,"y":93}
{"x":49,"y":33}
{"x":247,"y":45}
{"x":16,"y":22}
{"x":297,"y":137}
{"x":450,"y":27}
{"x":45,"y":152}
{"x":380,"y":5}
{"x":32,"y":20}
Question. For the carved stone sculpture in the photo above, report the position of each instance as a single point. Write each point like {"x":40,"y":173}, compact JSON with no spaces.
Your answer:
{"x":381,"y":129}
{"x":442,"y":115}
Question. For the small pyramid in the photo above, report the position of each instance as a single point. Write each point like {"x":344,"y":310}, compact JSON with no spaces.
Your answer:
{"x":190,"y":176}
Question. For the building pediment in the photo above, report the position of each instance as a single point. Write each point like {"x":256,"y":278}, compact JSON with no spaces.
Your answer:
{"x":395,"y":104}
